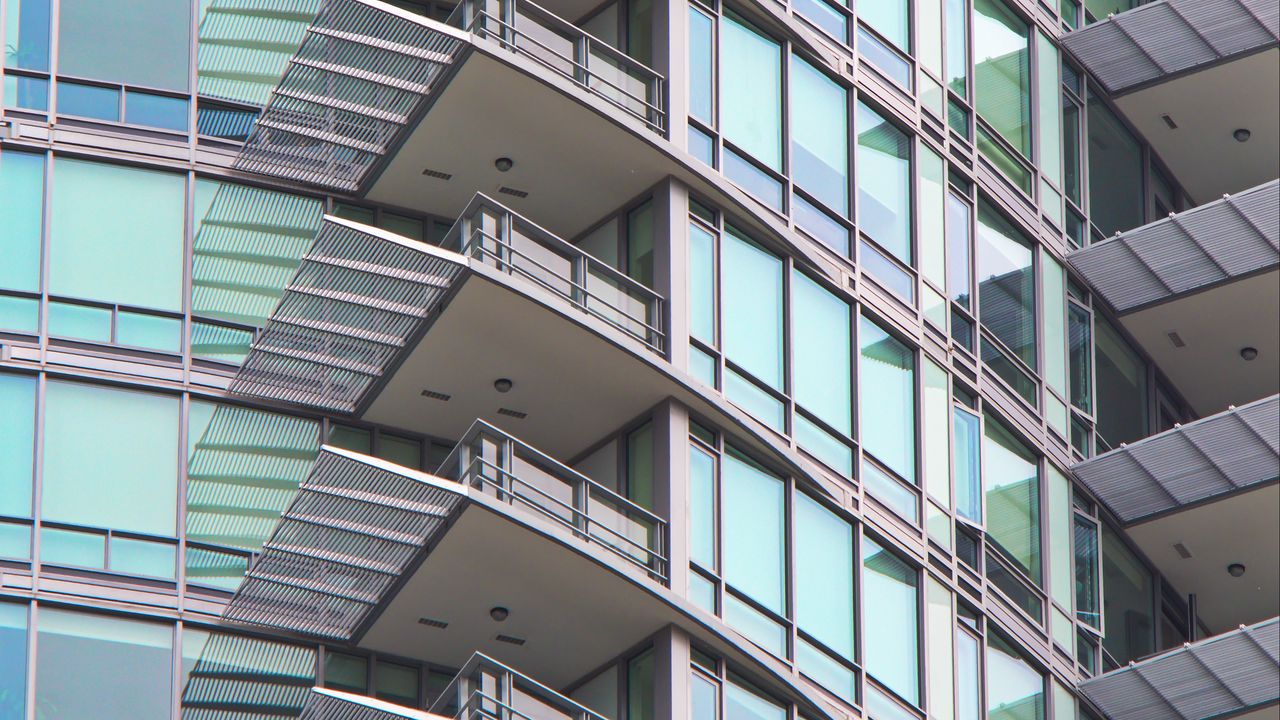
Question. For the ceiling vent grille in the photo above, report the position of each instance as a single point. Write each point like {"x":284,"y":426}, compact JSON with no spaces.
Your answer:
{"x":513,"y":192}
{"x":433,"y":623}
{"x":509,"y":639}
{"x":513,"y":413}
{"x":437,"y":174}
{"x":436,"y":395}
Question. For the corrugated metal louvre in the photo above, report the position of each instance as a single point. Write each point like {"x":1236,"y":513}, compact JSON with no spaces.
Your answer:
{"x":1224,"y":239}
{"x":1222,"y":453}
{"x":1162,"y":39}
{"x":1216,"y":677}
{"x":324,"y":704}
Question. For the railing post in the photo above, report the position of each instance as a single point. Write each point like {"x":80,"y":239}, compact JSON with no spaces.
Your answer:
{"x":582,"y":56}
{"x":581,"y":272}
{"x":509,"y":18}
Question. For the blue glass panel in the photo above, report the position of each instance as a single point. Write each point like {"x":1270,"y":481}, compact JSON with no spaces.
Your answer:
{"x":884,"y":183}
{"x":751,"y":91}
{"x":826,"y":18}
{"x":702,"y":508}
{"x":819,"y":135}
{"x":888,"y":273}
{"x":143,"y":557}
{"x":80,"y":322}
{"x":149,"y":331}
{"x":70,"y":547}
{"x":758,"y":403}
{"x":26,"y":42}
{"x":26,"y":93}
{"x":753,"y":520}
{"x":701,"y":67}
{"x":820,"y":225}
{"x":829,"y":673}
{"x":226,"y":123}
{"x":22,"y":187}
{"x":20,"y":315}
{"x":823,"y":445}
{"x":886,"y":400}
{"x":755,"y":625}
{"x":17,"y":443}
{"x":702,"y":284}
{"x":891,"y":493}
{"x":13,"y":659}
{"x":702,"y":146}
{"x":752,"y":308}
{"x":968,"y":471}
{"x":759,"y":183}
{"x":89,"y":101}
{"x":890,"y":602}
{"x":824,"y":575}
{"x":883,"y":57}
{"x":155,"y":110}
{"x":822,"y":352}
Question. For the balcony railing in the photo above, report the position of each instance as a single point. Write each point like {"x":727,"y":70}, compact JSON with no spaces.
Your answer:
{"x":485,"y":689}
{"x":492,"y":233}
{"x":498,"y":464}
{"x":566,"y":49}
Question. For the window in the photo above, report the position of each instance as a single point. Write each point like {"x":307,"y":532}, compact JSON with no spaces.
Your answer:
{"x":26,"y":44}
{"x":103,"y":449}
{"x":17,"y":446}
{"x":102,"y":667}
{"x":890,"y":18}
{"x":824,"y":576}
{"x":114,"y":227}
{"x":1015,"y":689}
{"x":701,"y":66}
{"x":751,"y":91}
{"x":208,"y":655}
{"x":752,"y":308}
{"x":754,"y":532}
{"x":1122,"y":388}
{"x":890,"y":602}
{"x":348,"y":673}
{"x":822,"y":348}
{"x":1002,"y":69}
{"x":941,"y":650}
{"x":1116,"y":194}
{"x":640,"y":699}
{"x":1128,"y":601}
{"x":968,"y":465}
{"x":741,"y":703}
{"x":886,"y":385}
{"x":957,"y":48}
{"x":1086,"y":565}
{"x":1011,"y":481}
{"x":819,"y":135}
{"x":1006,"y":284}
{"x":1080,"y":343}
{"x":968,"y":676}
{"x":126,"y":41}
{"x":22,"y":187}
{"x":884,"y":183}
{"x":13,"y":660}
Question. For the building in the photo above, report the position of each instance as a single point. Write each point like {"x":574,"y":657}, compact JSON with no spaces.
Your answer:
{"x":644,"y":360}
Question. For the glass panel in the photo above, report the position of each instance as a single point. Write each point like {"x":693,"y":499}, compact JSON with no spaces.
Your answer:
{"x":218,"y":343}
{"x":103,"y":449}
{"x":883,"y":57}
{"x":890,"y":18}
{"x":890,"y":596}
{"x":702,"y":592}
{"x":752,"y":313}
{"x":822,"y":353}
{"x":938,"y":524}
{"x":275,"y":677}
{"x":17,"y":443}
{"x":968,"y":467}
{"x":958,"y":282}
{"x":1086,"y":559}
{"x":1100,"y":9}
{"x":640,"y":244}
{"x":397,"y":683}
{"x":702,"y":366}
{"x":932,"y":213}
{"x":758,"y":403}
{"x":1014,"y":588}
{"x":1071,"y":172}
{"x":155,"y":110}
{"x":751,"y":178}
{"x":640,"y":466}
{"x":1122,"y":388}
{"x":125,"y":663}
{"x":350,"y":438}
{"x":1127,"y":602}
{"x":929,"y":26}
{"x":1116,"y":196}
{"x":940,"y":654}
{"x":404,"y":226}
{"x":142,"y":557}
{"x":889,"y":274}
{"x":1055,"y":332}
{"x":881,"y":707}
{"x":744,"y":703}
{"x":823,"y":445}
{"x":826,"y":18}
{"x":937,"y":432}
{"x":346,"y":672}
{"x":701,"y":66}
{"x":755,"y":625}
{"x":1047,"y":81}
{"x":968,"y":677}
{"x":1081,"y":356}
{"x":22,"y":187}
{"x":1015,"y":690}
{"x":819,"y":135}
{"x":640,"y":699}
{"x":20,"y":314}
{"x":754,"y":526}
{"x":887,"y":399}
{"x":26,"y":93}
{"x":1002,"y":67}
{"x":15,"y":541}
{"x":401,"y":451}
{"x":828,"y":673}
{"x":884,"y":183}
{"x":149,"y":331}
{"x":816,"y":222}
{"x":117,"y":234}
{"x":600,"y":693}
{"x":135,"y":42}
{"x":1006,"y":284}
{"x":934,"y":307}
{"x":702,"y":146}
{"x":704,"y":700}
{"x":957,"y":47}
{"x":90,"y":101}
{"x":26,"y":43}
{"x":13,"y":660}
{"x":1011,"y":477}
{"x":702,"y":508}
{"x":70,"y":547}
{"x":80,"y":322}
{"x":702,"y":284}
{"x":751,"y":91}
{"x":890,"y":491}
{"x":824,"y":575}
{"x":1061,"y":585}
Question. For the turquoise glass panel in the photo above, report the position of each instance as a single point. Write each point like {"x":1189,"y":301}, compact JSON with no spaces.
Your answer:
{"x":80,"y":322}
{"x":891,"y":603}
{"x":1006,"y":284}
{"x":89,"y":101}
{"x":17,"y":443}
{"x":1002,"y":71}
{"x":701,"y":66}
{"x":1011,"y":480}
{"x":753,"y":520}
{"x":751,"y":91}
{"x":824,"y":575}
{"x":134,"y":42}
{"x":107,"y":668}
{"x":18,"y":314}
{"x":752,"y":308}
{"x":887,"y":399}
{"x":755,"y":625}
{"x":884,"y":183}
{"x":22,"y":187}
{"x":702,"y":508}
{"x":143,"y":557}
{"x":824,"y":446}
{"x":117,"y":234}
{"x":702,"y":284}
{"x":822,"y":352}
{"x":968,"y":467}
{"x":13,"y":659}
{"x":149,"y":331}
{"x":15,"y":542}
{"x":26,"y":42}
{"x":744,"y":703}
{"x":890,"y":18}
{"x":819,"y":135}
{"x":103,"y":449}
{"x":1015,"y":690}
{"x":159,"y":111}
{"x":828,"y":672}
{"x":759,"y":404}
{"x":72,"y":547}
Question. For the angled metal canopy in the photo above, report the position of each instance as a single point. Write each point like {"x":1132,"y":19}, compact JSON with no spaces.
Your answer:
{"x":356,"y":525}
{"x":1214,"y":243}
{"x":1220,"y":676}
{"x":326,"y":704}
{"x":357,"y":298}
{"x":1217,"y":455}
{"x":1160,"y":40}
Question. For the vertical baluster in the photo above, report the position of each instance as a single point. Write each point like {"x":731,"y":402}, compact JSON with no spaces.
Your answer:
{"x":580,"y":274}
{"x":582,"y":56}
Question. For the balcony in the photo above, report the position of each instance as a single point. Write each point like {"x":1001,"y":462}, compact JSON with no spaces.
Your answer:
{"x":1197,"y":288}
{"x":412,"y":112}
{"x":1235,"y":674}
{"x":1188,"y":74}
{"x":1199,"y":498}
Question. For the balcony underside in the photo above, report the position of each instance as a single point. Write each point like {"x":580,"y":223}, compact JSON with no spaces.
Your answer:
{"x":1208,"y":276}
{"x":1199,"y":498}
{"x":326,"y":704}
{"x":1211,"y":67}
{"x":1236,"y":674}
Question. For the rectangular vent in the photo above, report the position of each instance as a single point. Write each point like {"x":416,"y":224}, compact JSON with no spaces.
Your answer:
{"x":1182,"y":550}
{"x":437,"y":174}
{"x":513,"y":413}
{"x":509,"y":639}
{"x":1169,"y":121}
{"x":1177,"y":340}
{"x":513,"y":192}
{"x":433,"y":623}
{"x":436,"y":395}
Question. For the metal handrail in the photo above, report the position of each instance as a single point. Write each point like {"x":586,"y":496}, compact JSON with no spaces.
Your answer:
{"x":466,"y":689}
{"x":469,"y":239}
{"x":466,"y":466}
{"x":471,"y":16}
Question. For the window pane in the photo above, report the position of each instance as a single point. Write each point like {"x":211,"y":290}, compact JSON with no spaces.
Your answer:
{"x":887,"y":399}
{"x":397,"y":683}
{"x":759,"y":404}
{"x":80,"y":322}
{"x":958,"y":283}
{"x":1055,"y":319}
{"x":248,"y":242}
{"x":640,"y":700}
{"x":819,"y":135}
{"x":17,"y":443}
{"x":957,"y":48}
{"x":117,"y":234}
{"x":13,"y":660}
{"x":74,"y":548}
{"x":1081,"y":349}
{"x":824,"y":575}
{"x":821,"y":348}
{"x":702,"y":284}
{"x":968,"y":677}
{"x":751,"y":91}
{"x":149,"y":331}
{"x":102,"y":667}
{"x":890,"y":18}
{"x":1061,"y":585}
{"x":937,"y":432}
{"x":755,"y":625}
{"x":1127,"y":601}
{"x":752,"y":308}
{"x":884,"y":183}
{"x":754,"y":524}
{"x":940,"y":653}
{"x":403,"y":226}
{"x":1006,"y":284}
{"x":932,"y":211}
{"x":701,"y":64}
{"x":401,"y":451}
{"x":276,"y":668}
{"x":891,"y":605}
{"x":135,"y":42}
{"x":1122,"y":388}
{"x":829,"y":673}
{"x":142,"y":557}
{"x":1086,"y":559}
{"x":26,"y":93}
{"x":26,"y":43}
{"x":90,"y":101}
{"x":155,"y":110}
{"x":704,"y":704}
{"x":346,"y":672}
{"x":1015,"y":690}
{"x":22,"y":187}
{"x":1010,"y":475}
{"x":1002,"y":66}
{"x":103,"y":449}
{"x":1115,"y":172}
{"x":702,"y":508}
{"x":741,"y":703}
{"x":1050,"y":144}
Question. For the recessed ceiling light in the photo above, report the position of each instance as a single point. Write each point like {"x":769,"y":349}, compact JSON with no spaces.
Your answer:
{"x":1235,"y":569}
{"x":1242,"y":135}
{"x":503,"y":385}
{"x":505,"y":163}
{"x":1249,"y":353}
{"x":499,"y":613}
